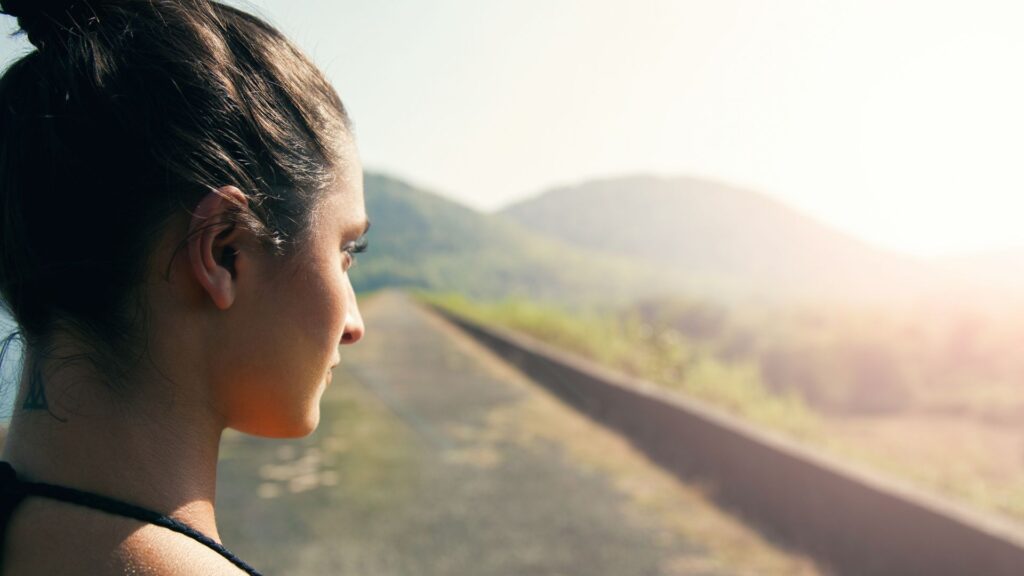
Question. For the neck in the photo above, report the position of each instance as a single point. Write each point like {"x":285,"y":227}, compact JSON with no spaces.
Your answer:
{"x":151,"y":449}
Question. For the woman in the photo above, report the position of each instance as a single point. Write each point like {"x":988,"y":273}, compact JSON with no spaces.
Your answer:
{"x":181,"y":200}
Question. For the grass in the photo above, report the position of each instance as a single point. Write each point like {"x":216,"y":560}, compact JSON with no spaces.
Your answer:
{"x":664,"y":359}
{"x":961,"y":462}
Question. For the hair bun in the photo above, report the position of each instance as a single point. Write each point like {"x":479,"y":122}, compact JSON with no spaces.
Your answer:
{"x":42,"y":19}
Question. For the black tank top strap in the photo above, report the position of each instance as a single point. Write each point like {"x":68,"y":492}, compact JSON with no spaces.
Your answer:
{"x":10,"y":497}
{"x":14,"y":490}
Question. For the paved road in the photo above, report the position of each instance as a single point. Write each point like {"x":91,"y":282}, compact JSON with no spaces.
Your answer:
{"x":434,"y":457}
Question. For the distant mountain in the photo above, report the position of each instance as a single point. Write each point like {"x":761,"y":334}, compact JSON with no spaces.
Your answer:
{"x":723,"y":238}
{"x":1000,"y":272}
{"x":421,"y":240}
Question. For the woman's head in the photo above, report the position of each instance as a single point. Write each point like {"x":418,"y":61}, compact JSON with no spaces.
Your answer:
{"x":136,"y":129}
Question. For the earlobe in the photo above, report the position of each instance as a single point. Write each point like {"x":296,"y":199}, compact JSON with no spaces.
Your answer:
{"x":213,"y":244}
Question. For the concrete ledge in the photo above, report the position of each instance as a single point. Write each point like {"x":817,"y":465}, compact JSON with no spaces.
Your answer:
{"x":853,"y":520}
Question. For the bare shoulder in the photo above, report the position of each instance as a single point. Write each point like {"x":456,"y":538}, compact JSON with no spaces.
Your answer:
{"x":159,"y":551}
{"x":49,"y":537}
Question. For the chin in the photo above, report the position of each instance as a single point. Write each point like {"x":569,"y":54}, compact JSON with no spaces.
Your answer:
{"x":310,"y":424}
{"x":297,"y":426}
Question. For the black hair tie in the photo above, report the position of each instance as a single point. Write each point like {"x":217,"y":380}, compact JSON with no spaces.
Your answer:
{"x":31,"y":8}
{"x":42,"y":20}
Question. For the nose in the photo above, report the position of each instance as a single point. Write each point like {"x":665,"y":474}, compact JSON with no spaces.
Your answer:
{"x":353,"y":324}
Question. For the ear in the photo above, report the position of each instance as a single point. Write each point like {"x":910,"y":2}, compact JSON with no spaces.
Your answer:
{"x":214,"y":243}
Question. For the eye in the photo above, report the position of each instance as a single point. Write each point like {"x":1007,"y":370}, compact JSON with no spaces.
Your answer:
{"x":355,"y":247}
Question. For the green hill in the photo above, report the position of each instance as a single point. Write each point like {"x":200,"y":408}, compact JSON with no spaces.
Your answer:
{"x":422,"y":240}
{"x":727,"y":240}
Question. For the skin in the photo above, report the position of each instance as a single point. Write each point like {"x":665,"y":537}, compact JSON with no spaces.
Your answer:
{"x":247,"y":345}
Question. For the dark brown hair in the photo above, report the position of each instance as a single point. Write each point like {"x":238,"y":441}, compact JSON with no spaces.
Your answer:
{"x":128,"y":112}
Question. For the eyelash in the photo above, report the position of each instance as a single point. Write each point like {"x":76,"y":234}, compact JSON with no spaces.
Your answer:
{"x":356,"y":247}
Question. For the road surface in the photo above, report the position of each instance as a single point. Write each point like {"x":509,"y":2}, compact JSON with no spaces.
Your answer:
{"x":434,"y":457}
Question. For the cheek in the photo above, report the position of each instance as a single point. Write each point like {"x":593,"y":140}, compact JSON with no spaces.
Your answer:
{"x":302,"y":323}
{"x":323,"y":308}
{"x":289,"y":357}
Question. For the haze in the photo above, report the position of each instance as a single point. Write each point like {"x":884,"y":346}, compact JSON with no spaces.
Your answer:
{"x":897,"y":121}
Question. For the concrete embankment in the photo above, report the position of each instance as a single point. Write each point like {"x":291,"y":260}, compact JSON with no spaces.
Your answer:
{"x":852,"y":520}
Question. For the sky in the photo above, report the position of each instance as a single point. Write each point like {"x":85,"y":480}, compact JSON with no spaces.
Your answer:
{"x":900,"y":122}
